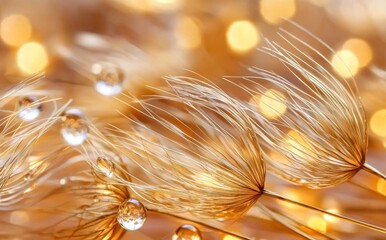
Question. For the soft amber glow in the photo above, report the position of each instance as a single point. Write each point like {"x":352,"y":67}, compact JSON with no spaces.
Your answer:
{"x":242,"y":36}
{"x":330,"y":218}
{"x":32,"y":58}
{"x":381,"y":186}
{"x":274,"y":11}
{"x":229,"y":237}
{"x":378,"y":123}
{"x":361,"y":49}
{"x":207,"y":179}
{"x":272,"y":104}
{"x":345,"y":63}
{"x":15,"y":30}
{"x":18,"y":218}
{"x":317,"y":223}
{"x":298,"y":144}
{"x":188,"y":33}
{"x":166,"y":4}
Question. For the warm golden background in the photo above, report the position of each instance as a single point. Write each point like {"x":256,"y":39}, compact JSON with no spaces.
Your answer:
{"x":150,"y":39}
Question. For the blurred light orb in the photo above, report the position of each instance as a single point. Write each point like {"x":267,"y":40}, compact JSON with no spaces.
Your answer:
{"x":188,"y":33}
{"x":345,"y":63}
{"x":242,"y":36}
{"x":166,"y":4}
{"x":187,"y":232}
{"x":378,"y":123}
{"x":272,"y":104}
{"x":361,"y":49}
{"x":32,"y":58}
{"x":330,"y":218}
{"x":229,"y":237}
{"x":318,"y":224}
{"x":275,"y":11}
{"x":381,"y":187}
{"x":28,"y":109}
{"x":19,"y":218}
{"x":15,"y":30}
{"x":131,"y":214}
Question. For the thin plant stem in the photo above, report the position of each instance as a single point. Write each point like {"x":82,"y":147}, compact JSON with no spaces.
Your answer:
{"x":290,"y":222}
{"x":366,"y":188}
{"x":203,"y":224}
{"x":360,"y":223}
{"x":370,"y":169}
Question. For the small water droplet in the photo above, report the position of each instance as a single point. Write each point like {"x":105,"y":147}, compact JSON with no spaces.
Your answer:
{"x":106,"y":166}
{"x":187,"y":232}
{"x":28,"y":109}
{"x":109,"y":78}
{"x":131,"y":214}
{"x":28,"y":177}
{"x":74,"y":128}
{"x":63,"y":181}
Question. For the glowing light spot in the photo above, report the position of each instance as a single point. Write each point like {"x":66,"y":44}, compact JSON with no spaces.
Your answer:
{"x":274,"y":11}
{"x":298,"y":144}
{"x":242,"y":36}
{"x":229,"y":237}
{"x":188,"y":33}
{"x":345,"y":63}
{"x":378,"y":123}
{"x":318,"y":224}
{"x":272,"y":104}
{"x":330,"y":218}
{"x":166,"y":4}
{"x":32,"y":58}
{"x":15,"y":30}
{"x":361,"y":49}
{"x":18,"y":217}
{"x":381,"y":187}
{"x":207,"y":180}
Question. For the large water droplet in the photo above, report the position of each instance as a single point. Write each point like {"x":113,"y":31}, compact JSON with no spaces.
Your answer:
{"x":106,"y":166}
{"x":28,"y":108}
{"x":131,"y":214}
{"x":187,"y":232}
{"x":74,"y":128}
{"x":109,"y":78}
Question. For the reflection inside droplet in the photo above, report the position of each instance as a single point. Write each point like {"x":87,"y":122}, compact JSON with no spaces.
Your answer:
{"x":29,"y":110}
{"x":106,"y":166}
{"x":109,"y":79}
{"x":131,"y":214}
{"x":187,"y":232}
{"x":74,"y":128}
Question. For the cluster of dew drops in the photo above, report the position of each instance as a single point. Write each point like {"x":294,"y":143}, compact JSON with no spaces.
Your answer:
{"x":109,"y":81}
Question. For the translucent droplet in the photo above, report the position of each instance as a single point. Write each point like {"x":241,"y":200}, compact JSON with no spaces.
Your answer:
{"x":187,"y":232}
{"x":29,"y":110}
{"x":106,"y":166}
{"x":131,"y":214}
{"x":109,"y":78}
{"x":74,"y":128}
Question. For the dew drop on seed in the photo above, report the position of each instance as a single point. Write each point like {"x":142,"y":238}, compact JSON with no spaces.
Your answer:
{"x":131,"y":214}
{"x":28,"y":108}
{"x":187,"y":232}
{"x":74,"y":128}
{"x":109,"y":79}
{"x":106,"y":166}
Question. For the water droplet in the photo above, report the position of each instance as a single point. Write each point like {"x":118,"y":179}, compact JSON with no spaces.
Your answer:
{"x":28,"y":177}
{"x":131,"y":214}
{"x":109,"y":78}
{"x":28,"y":108}
{"x":187,"y":232}
{"x":63,"y":181}
{"x":74,"y":128}
{"x":106,"y":166}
